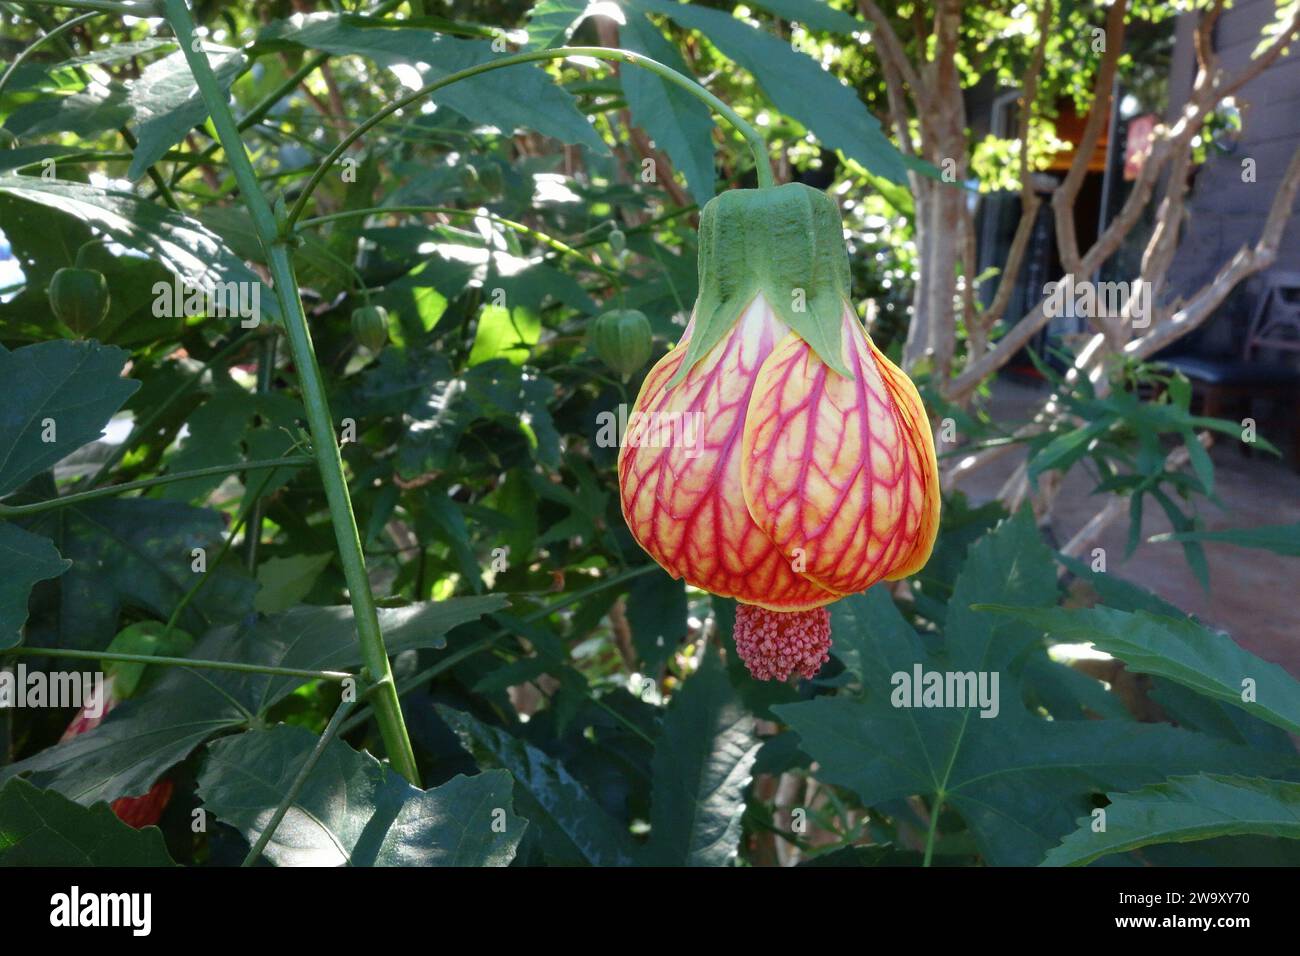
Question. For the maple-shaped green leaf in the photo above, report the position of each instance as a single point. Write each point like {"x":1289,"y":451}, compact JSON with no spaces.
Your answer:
{"x":1182,"y":810}
{"x":1209,"y":662}
{"x":1017,"y":780}
{"x":58,"y":396}
{"x":572,"y":827}
{"x":353,"y":810}
{"x":702,"y":766}
{"x":25,"y":559}
{"x":166,"y":102}
{"x":44,"y":828}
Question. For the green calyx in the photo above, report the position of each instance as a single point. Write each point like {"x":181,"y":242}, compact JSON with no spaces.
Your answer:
{"x":786,"y":244}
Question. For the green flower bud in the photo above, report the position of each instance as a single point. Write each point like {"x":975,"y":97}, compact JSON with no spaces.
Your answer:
{"x":79,"y":298}
{"x":370,"y":326}
{"x":617,"y":241}
{"x":148,"y":639}
{"x":623,"y":340}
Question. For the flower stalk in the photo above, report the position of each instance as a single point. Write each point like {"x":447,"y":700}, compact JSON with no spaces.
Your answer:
{"x":757,"y":145}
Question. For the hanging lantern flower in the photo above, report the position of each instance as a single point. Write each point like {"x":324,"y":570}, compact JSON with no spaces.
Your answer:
{"x":776,"y":456}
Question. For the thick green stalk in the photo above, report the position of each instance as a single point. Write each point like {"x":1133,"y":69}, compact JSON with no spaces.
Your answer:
{"x":275,"y":238}
{"x":37,"y":507}
{"x":757,"y":145}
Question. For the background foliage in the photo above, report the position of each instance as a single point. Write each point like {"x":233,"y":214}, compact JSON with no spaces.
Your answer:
{"x":569,"y":703}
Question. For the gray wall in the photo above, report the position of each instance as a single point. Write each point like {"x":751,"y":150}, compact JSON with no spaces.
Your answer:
{"x":1226,"y":213}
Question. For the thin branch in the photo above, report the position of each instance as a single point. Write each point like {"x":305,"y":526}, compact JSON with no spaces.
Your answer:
{"x":299,"y":781}
{"x":80,"y":497}
{"x":1030,"y":201}
{"x":891,"y":48}
{"x":24,"y":650}
{"x":1246,"y":262}
{"x":1067,"y":193}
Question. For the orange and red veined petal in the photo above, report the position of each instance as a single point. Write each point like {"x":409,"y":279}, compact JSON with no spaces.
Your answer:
{"x":925,"y":470}
{"x":840,"y":473}
{"x":682,"y":499}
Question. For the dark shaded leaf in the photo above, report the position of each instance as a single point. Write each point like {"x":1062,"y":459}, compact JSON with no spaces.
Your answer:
{"x":573,"y":827}
{"x":44,"y":828}
{"x":1183,"y":810}
{"x":146,"y":735}
{"x":702,"y":765}
{"x":24,"y":560}
{"x":353,"y":810}
{"x":58,"y":396}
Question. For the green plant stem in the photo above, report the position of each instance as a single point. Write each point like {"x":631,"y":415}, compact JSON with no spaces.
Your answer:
{"x":264,"y":106}
{"x":299,"y":781}
{"x":142,"y":10}
{"x":549,"y":240}
{"x":647,"y":226}
{"x":146,"y":423}
{"x":757,"y":145}
{"x":41,"y":41}
{"x":108,"y":156}
{"x":80,"y":497}
{"x":155,"y":177}
{"x":275,"y":238}
{"x":26,"y":651}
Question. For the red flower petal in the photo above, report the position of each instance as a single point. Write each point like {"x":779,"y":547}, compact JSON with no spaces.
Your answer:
{"x":840,"y":473}
{"x":683,"y":502}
